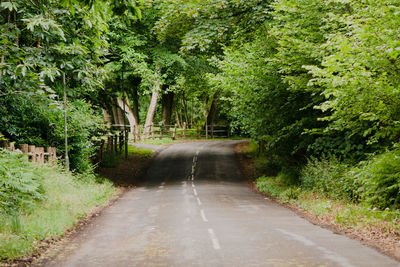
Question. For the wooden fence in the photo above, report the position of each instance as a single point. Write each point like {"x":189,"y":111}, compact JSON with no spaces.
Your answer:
{"x":113,"y":142}
{"x":173,"y":131}
{"x":35,"y":154}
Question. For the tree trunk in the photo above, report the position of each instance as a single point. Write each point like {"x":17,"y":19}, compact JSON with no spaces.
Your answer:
{"x":191,"y":115}
{"x":185,"y":108}
{"x":167,"y":104}
{"x":153,"y":104}
{"x":129,"y":112}
{"x":116,"y":113}
{"x":213,"y":109}
{"x":177,"y":117}
{"x":135,"y":100}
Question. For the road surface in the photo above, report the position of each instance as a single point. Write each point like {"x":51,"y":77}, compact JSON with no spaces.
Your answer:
{"x":196,"y":210}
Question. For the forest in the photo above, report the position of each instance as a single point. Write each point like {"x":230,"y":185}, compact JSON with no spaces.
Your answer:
{"x":314,"y":84}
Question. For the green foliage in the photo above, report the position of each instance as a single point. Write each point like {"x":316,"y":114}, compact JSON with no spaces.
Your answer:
{"x":21,"y":183}
{"x":142,"y":152}
{"x":39,"y":121}
{"x":39,"y":202}
{"x":380,"y":179}
{"x":275,"y":187}
{"x":331,"y":178}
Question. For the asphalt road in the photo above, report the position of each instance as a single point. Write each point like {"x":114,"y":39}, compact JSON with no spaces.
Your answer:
{"x":196,"y":210}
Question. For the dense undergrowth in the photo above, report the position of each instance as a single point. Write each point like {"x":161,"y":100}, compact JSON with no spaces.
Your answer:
{"x":359,"y":195}
{"x":39,"y":202}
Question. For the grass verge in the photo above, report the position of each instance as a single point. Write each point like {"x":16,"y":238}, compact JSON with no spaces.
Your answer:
{"x":337,"y":212}
{"x":64,"y":200}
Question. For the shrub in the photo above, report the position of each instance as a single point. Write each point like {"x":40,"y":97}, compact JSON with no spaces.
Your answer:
{"x":39,"y":121}
{"x":329,"y":177}
{"x":18,"y":188}
{"x":380,"y":179}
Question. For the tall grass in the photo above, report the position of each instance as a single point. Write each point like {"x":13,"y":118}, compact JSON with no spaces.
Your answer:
{"x":65,"y":199}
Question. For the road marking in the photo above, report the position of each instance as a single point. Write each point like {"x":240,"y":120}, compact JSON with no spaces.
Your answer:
{"x":195,"y":191}
{"x":326,"y":253}
{"x":197,"y":152}
{"x":194,"y":165}
{"x":203,"y":216}
{"x":161,"y":187}
{"x":194,"y":159}
{"x":193,"y":185}
{"x":198,"y":201}
{"x":214,"y":239}
{"x":192,"y":177}
{"x":193,"y":169}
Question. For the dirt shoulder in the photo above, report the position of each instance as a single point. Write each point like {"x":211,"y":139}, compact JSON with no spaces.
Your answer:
{"x":378,"y":238}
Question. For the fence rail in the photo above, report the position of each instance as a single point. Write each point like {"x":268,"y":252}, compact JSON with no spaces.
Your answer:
{"x":160,"y":131}
{"x":35,"y":154}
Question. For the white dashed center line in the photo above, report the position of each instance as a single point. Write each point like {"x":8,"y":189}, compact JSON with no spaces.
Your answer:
{"x":214,"y":239}
{"x":198,"y":201}
{"x":195,"y":191}
{"x":203,"y":216}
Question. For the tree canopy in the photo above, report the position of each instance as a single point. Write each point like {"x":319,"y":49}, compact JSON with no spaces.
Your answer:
{"x":302,"y":78}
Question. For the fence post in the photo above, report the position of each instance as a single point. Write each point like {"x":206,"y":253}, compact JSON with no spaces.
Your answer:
{"x":206,"y":131}
{"x":24,"y":148}
{"x":152,"y":131}
{"x":121,"y":141}
{"x":161,"y":131}
{"x":40,"y":155}
{"x":49,"y":153}
{"x":32,"y":153}
{"x":212,"y":131}
{"x":228,"y":131}
{"x":11,"y":147}
{"x":126,"y":143}
{"x":174,"y":135}
{"x":3,"y":143}
{"x":184,"y":130}
{"x":116,"y":143}
{"x":100,"y":157}
{"x":109,"y":143}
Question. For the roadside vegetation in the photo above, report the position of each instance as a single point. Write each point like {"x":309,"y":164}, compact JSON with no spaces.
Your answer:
{"x":39,"y":202}
{"x":362,"y":196}
{"x":112,"y":159}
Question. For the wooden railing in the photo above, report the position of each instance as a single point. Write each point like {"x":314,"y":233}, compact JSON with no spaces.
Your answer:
{"x":35,"y":154}
{"x":173,"y":131}
{"x":113,"y":142}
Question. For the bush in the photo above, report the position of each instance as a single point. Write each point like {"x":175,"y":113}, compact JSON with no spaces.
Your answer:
{"x":331,"y":178}
{"x":39,"y":121}
{"x":19,"y":188}
{"x":380,"y":179}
